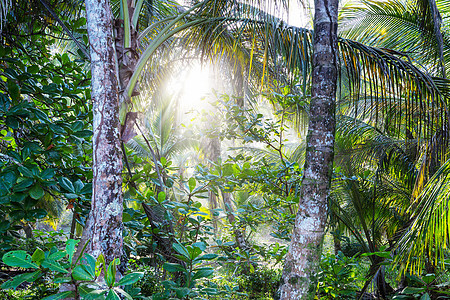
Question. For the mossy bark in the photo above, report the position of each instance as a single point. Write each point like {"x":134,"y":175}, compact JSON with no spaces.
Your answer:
{"x":299,"y":280}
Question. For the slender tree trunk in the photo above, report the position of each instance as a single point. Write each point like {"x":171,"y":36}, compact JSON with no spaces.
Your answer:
{"x":298,"y":279}
{"x":104,"y":225}
{"x":238,"y":234}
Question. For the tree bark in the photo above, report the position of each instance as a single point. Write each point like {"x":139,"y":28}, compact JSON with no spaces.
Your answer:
{"x":298,"y":279}
{"x":104,"y":226}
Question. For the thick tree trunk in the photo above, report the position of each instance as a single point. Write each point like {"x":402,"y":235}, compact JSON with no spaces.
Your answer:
{"x":298,"y":279}
{"x":104,"y":225}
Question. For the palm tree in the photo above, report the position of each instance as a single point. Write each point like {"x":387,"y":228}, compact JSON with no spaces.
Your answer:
{"x":264,"y":39}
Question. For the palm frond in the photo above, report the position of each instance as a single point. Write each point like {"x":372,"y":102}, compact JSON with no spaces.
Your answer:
{"x":428,"y":235}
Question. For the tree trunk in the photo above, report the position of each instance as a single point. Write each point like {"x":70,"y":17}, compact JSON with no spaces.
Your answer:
{"x":298,"y":279}
{"x":241,"y":243}
{"x":104,"y":225}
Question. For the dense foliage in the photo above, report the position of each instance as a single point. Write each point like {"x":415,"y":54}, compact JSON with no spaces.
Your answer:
{"x":210,"y":204}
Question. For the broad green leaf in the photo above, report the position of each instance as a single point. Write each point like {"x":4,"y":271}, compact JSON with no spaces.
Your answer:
{"x":125,"y":294}
{"x":47,"y":174}
{"x":58,"y":296}
{"x":25,"y":171}
{"x":173,"y":267}
{"x":33,"y":69}
{"x":428,"y":278}
{"x":203,"y":272}
{"x":80,"y":273}
{"x":192,"y":183}
{"x":70,"y":248}
{"x":66,"y":184}
{"x":112,"y":295}
{"x":131,"y":278}
{"x":89,"y":263}
{"x":84,"y":289}
{"x":209,"y":256}
{"x":54,"y":266}
{"x":111,"y":272}
{"x":57,"y":255}
{"x":161,"y":197}
{"x":19,"y":259}
{"x":77,"y":126}
{"x":182,"y":250}
{"x":95,"y":294}
{"x":38,"y":256}
{"x":425,"y":296}
{"x":23,"y":185}
{"x":200,"y":245}
{"x":21,"y":278}
{"x":4,"y":225}
{"x":36,"y":192}
{"x":62,"y":279}
{"x":182,"y":292}
{"x":83,"y":133}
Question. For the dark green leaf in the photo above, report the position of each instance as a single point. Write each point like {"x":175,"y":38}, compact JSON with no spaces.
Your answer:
{"x":36,"y":192}
{"x":203,"y":272}
{"x":112,"y":295}
{"x":182,"y":250}
{"x":89,"y":263}
{"x":19,"y":259}
{"x":81,"y":273}
{"x":173,"y":267}
{"x":412,"y":290}
{"x":131,"y":278}
{"x":111,"y":272}
{"x":59,"y":296}
{"x":23,"y":185}
{"x":19,"y":279}
{"x":66,"y":184}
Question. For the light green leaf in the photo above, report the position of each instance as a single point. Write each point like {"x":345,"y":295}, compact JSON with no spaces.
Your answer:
{"x":62,"y":279}
{"x":38,"y":256}
{"x":99,"y":264}
{"x":192,"y":183}
{"x":182,"y":292}
{"x":95,"y":294}
{"x":70,"y":248}
{"x":161,"y":197}
{"x":57,"y":255}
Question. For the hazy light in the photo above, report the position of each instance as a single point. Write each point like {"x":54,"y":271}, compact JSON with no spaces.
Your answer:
{"x":192,"y":85}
